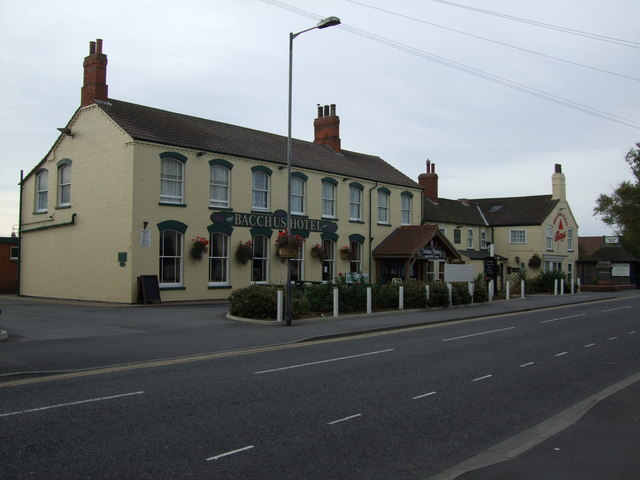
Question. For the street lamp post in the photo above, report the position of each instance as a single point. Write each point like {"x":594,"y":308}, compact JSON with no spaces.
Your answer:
{"x":325,"y":23}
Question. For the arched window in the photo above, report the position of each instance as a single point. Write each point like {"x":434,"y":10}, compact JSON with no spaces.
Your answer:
{"x":64,"y":183}
{"x":329,"y":262}
{"x":171,"y":254}
{"x":329,"y":188}
{"x":172,"y":181}
{"x":383,"y":206}
{"x":406,"y":208}
{"x":355,"y":202}
{"x":260,"y":262}
{"x":297,"y":195}
{"x":218,"y":259}
{"x":219,"y":182}
{"x":260,"y":190}
{"x":42,"y":191}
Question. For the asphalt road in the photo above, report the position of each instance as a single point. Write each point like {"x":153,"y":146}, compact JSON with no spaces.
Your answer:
{"x":405,"y":404}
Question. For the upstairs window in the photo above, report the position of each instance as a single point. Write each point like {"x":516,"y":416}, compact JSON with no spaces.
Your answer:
{"x":406,"y":208}
{"x":172,"y":181}
{"x":517,"y":237}
{"x":355,"y":202}
{"x":383,"y":206}
{"x":64,"y":183}
{"x":42,"y":191}
{"x":570,"y":239}
{"x":457,"y":236}
{"x":297,"y":195}
{"x":469,"y":239}
{"x":260,"y":190}
{"x":329,"y":198}
{"x":549,"y":237}
{"x":219,"y":177}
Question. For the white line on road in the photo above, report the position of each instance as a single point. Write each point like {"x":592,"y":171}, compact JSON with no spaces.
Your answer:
{"x":613,"y":338}
{"x":232,"y":452}
{"x":589,"y":345}
{"x":481,"y":378}
{"x":323,"y":361}
{"x":476,"y":334}
{"x":350,"y":417}
{"x":618,"y":308}
{"x":563,"y":318}
{"x":79,"y":402}
{"x":632,"y":332}
{"x":561,"y":354}
{"x":424,"y":395}
{"x":526,"y":364}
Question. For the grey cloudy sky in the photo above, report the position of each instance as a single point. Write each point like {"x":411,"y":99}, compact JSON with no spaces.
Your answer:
{"x":412,"y":83}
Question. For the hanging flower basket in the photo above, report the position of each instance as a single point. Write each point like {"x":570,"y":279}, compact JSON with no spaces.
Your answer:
{"x":317,"y":252}
{"x":345,"y":253}
{"x":199,"y":247}
{"x":244,"y":252}
{"x":535,"y":261}
{"x":288,"y":245}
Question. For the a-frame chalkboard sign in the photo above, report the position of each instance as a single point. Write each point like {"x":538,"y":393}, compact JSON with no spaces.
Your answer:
{"x":148,"y":289}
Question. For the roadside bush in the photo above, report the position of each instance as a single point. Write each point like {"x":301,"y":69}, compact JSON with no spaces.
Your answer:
{"x":254,"y":301}
{"x":319,"y":297}
{"x":460,"y":293}
{"x":415,"y":295}
{"x":545,"y":281}
{"x":438,"y":295}
{"x":384,"y":296}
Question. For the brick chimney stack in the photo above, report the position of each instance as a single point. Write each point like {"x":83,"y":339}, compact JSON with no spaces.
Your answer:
{"x":558,"y":184}
{"x":327,"y":127}
{"x":95,"y":85}
{"x":429,"y":182}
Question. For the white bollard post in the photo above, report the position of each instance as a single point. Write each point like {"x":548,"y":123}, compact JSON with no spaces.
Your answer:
{"x":279,"y":305}
{"x":490,"y":290}
{"x":555,"y":287}
{"x":450,"y":288}
{"x":336,"y":311}
{"x":470,"y":288}
{"x":572,"y":287}
{"x":369,"y":301}
{"x":426,"y":288}
{"x":561,"y":287}
{"x":579,"y":286}
{"x":508,"y":289}
{"x":401,"y":297}
{"x":522,"y":288}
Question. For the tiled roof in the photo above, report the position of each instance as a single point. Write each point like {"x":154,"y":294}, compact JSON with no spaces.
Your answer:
{"x":407,"y":240}
{"x":610,"y":253}
{"x":174,"y":129}
{"x":588,"y":245}
{"x":451,"y":211}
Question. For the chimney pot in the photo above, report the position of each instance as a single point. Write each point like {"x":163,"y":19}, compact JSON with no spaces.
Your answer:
{"x":333,"y":109}
{"x":326,"y":110}
{"x":99,"y":45}
{"x":319,"y":111}
{"x":92,"y":48}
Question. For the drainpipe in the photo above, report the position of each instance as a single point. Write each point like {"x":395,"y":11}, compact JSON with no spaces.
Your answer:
{"x":20,"y":233}
{"x":371,"y":231}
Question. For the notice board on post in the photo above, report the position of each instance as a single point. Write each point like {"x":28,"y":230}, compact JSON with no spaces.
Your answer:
{"x":148,"y":289}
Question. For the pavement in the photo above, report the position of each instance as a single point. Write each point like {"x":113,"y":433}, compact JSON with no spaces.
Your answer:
{"x":598,"y":438}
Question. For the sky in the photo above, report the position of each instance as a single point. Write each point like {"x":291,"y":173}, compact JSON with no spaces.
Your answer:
{"x":494,"y":92}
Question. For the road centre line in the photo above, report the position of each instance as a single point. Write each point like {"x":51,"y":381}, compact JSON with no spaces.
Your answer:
{"x":337,"y":359}
{"x":526,"y":364}
{"x":589,"y":345}
{"x":481,"y":378}
{"x":561,"y":354}
{"x":232,"y":452}
{"x":79,"y":402}
{"x":476,"y":334}
{"x":563,"y":318}
{"x":423,"y":395}
{"x":350,"y":417}
{"x":613,"y":338}
{"x":614,"y":309}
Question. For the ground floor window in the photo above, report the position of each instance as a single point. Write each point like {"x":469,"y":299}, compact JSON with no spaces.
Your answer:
{"x":171,"y":244}
{"x":218,"y":259}
{"x":329,"y":262}
{"x":260,"y":262}
{"x":297,"y":266}
{"x":552,"y":265}
{"x":355,"y":264}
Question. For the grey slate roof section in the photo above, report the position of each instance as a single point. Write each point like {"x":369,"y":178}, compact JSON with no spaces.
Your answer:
{"x":175,"y":129}
{"x":498,"y":212}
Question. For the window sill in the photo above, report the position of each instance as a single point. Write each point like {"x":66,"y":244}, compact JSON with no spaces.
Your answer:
{"x":62,"y":207}
{"x":219,"y":287}
{"x":226,"y":209}
{"x":169,"y":204}
{"x":172,"y":287}
{"x":40,"y":212}
{"x":356,"y":220}
{"x":384,"y":224}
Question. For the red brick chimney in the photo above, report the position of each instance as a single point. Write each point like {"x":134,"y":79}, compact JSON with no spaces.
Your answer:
{"x":429,"y":182}
{"x":95,"y":75}
{"x":327,"y":127}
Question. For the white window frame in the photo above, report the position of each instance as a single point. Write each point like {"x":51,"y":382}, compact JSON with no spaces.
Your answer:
{"x":570,"y":247}
{"x":177,"y":257}
{"x":297,"y":266}
{"x":64,"y":185}
{"x":263,"y":261}
{"x":42,"y":191}
{"x":406,"y":209}
{"x":383,"y":207}
{"x":221,"y":256}
{"x":298,"y":189}
{"x":483,"y":239}
{"x":219,"y":186}
{"x":171,"y":177}
{"x":517,"y":236}
{"x":329,"y":193}
{"x":355,"y":203}
{"x":470,"y":239}
{"x":260,"y":193}
{"x":355,"y":260}
{"x":549,"y":230}
{"x":329,"y":262}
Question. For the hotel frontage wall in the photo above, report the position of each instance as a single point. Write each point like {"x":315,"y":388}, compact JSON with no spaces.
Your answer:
{"x":92,"y":248}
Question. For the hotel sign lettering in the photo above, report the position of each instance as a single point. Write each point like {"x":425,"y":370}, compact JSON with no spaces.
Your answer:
{"x":431,"y":252}
{"x":276,"y":220}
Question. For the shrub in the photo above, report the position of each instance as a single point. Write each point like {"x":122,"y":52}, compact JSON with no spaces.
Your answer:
{"x":254,"y":301}
{"x":415,"y":295}
{"x":546,"y":280}
{"x":438,"y":295}
{"x":319,"y":297}
{"x":460,"y":293}
{"x":384,"y":296}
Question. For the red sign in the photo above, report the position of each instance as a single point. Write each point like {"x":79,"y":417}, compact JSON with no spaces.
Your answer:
{"x":561,"y":234}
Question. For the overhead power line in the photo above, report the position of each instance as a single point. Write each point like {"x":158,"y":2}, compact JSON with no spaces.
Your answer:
{"x":594,"y":36}
{"x":465,"y":68}
{"x":408,"y":17}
